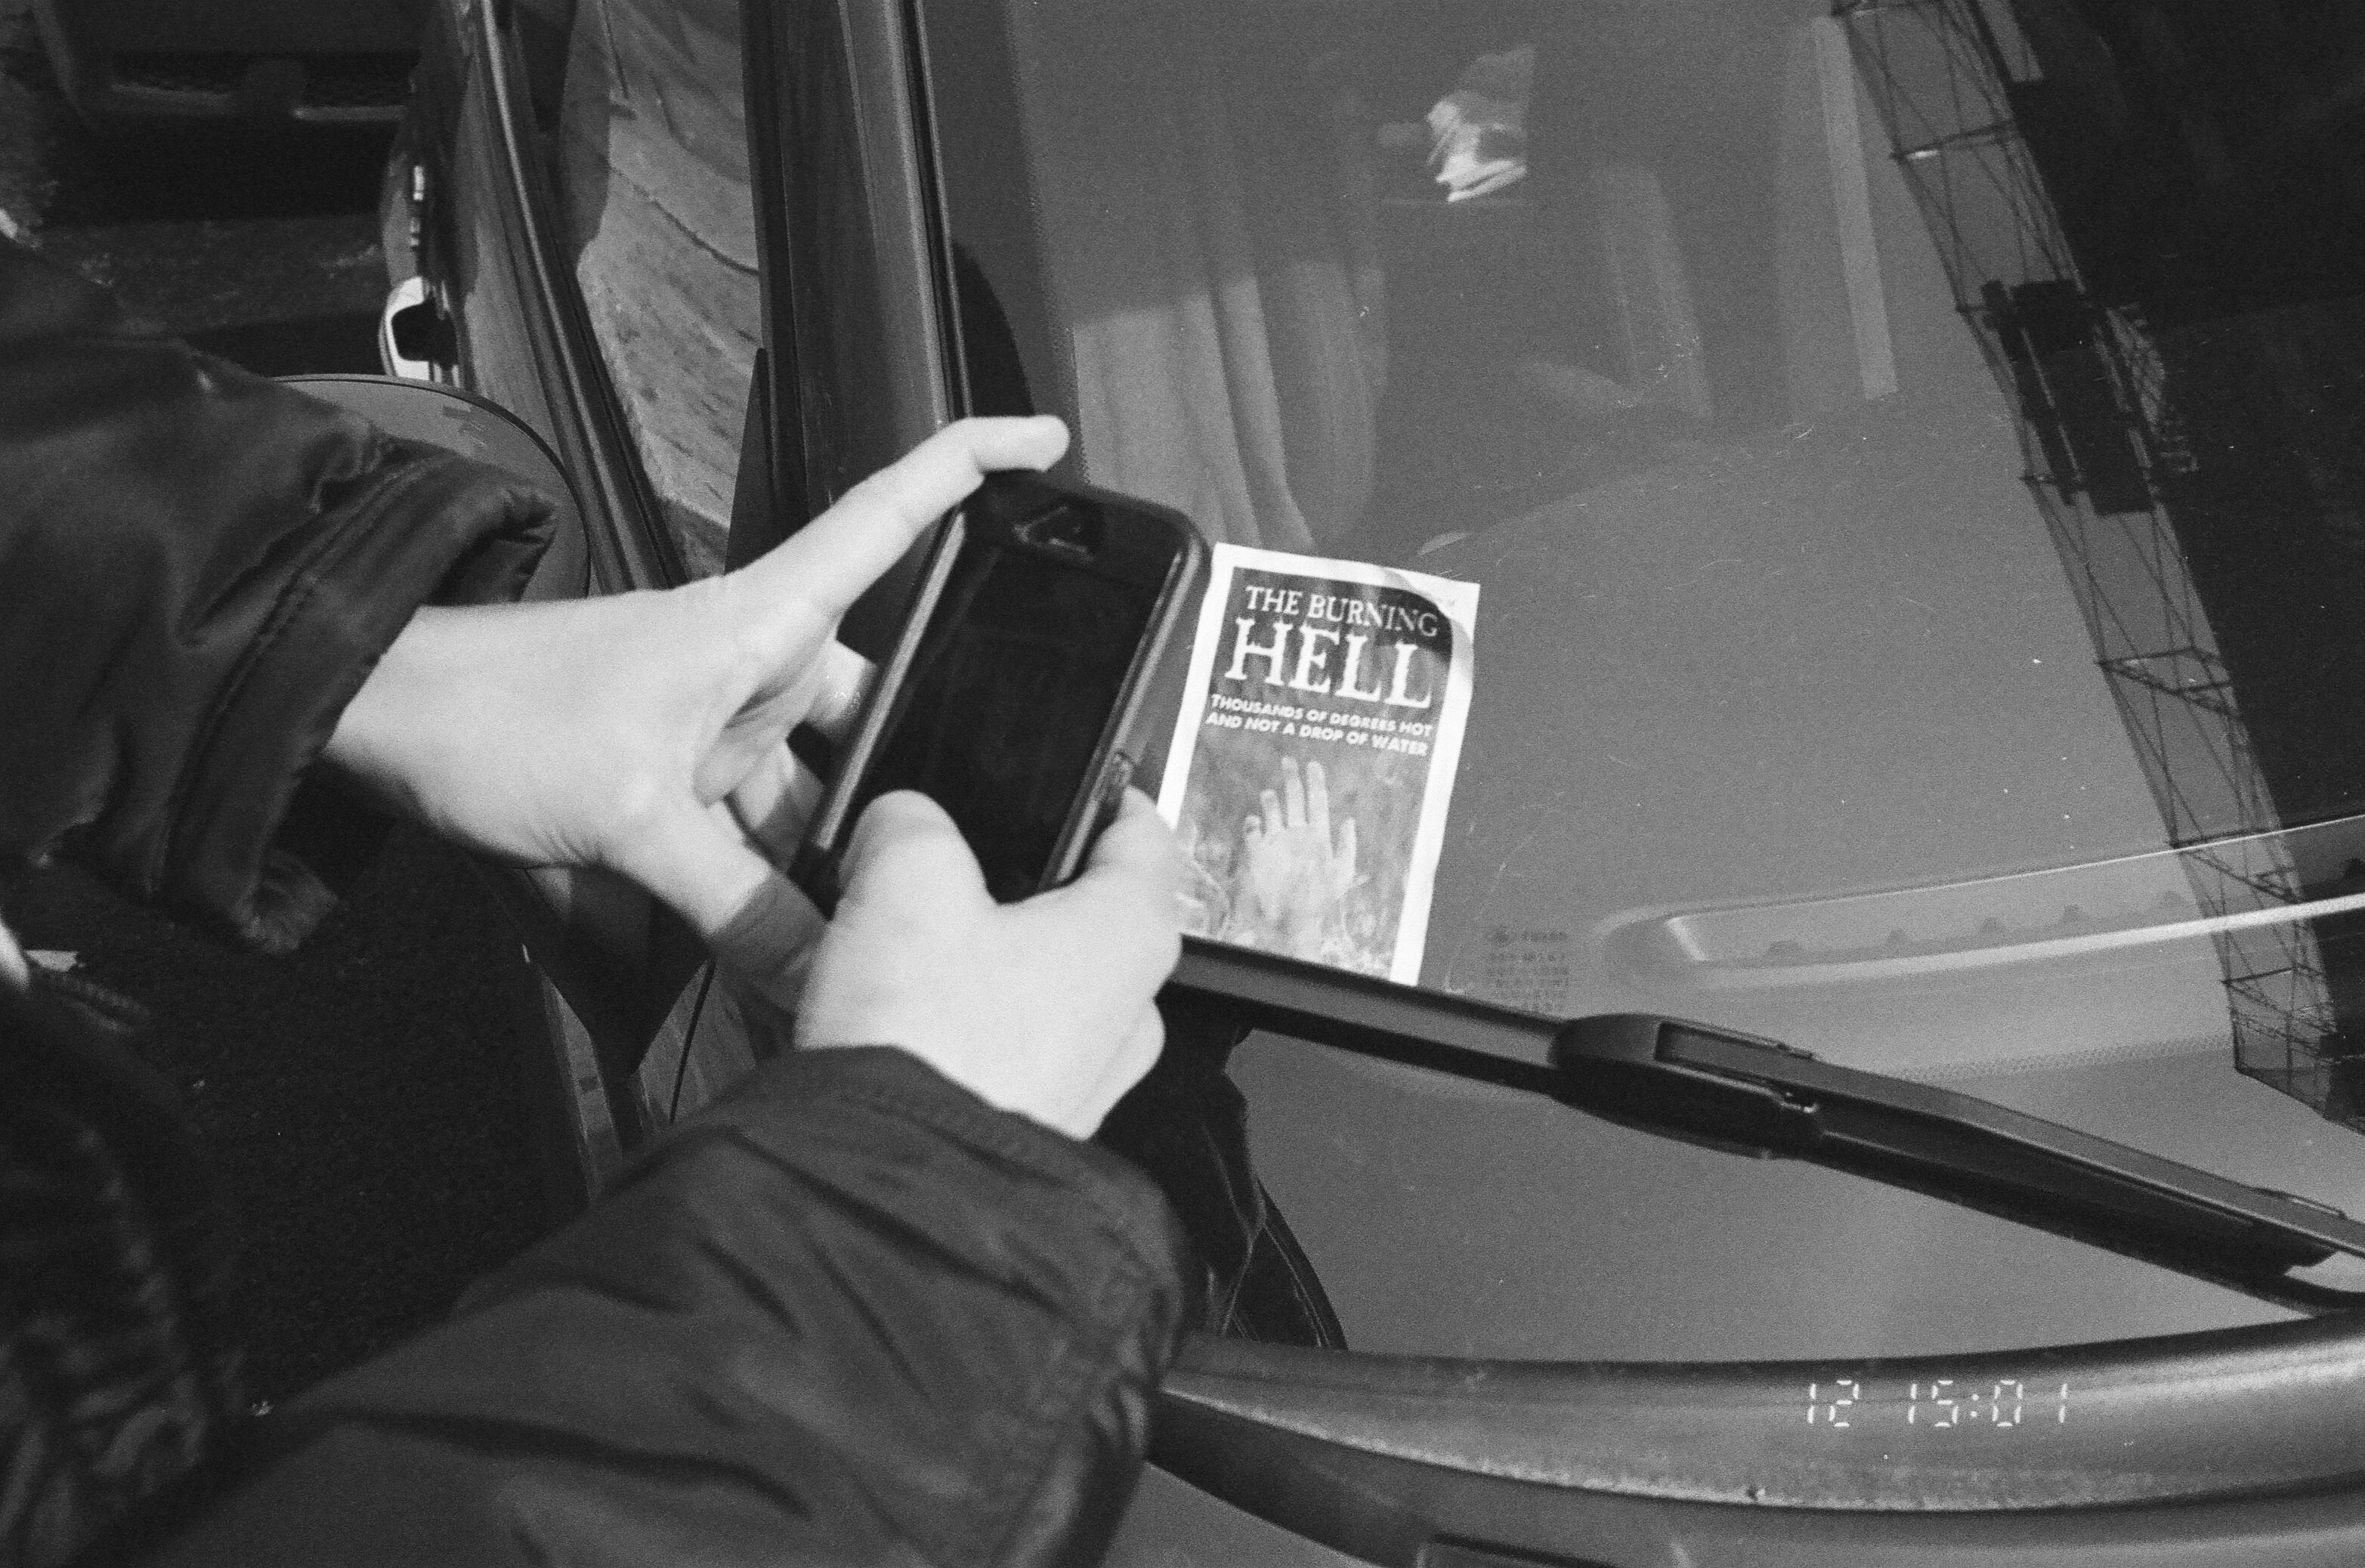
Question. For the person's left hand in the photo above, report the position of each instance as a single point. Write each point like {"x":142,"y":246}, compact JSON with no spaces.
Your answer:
{"x":646,"y":733}
{"x":1046,"y":1007}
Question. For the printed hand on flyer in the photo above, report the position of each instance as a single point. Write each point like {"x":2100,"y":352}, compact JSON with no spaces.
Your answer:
{"x":1293,"y":875}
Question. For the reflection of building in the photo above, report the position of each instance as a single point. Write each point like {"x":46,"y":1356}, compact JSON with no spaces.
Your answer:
{"x":2030,"y":156}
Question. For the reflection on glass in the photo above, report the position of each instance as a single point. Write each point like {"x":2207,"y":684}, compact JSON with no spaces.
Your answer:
{"x":1908,"y":448}
{"x":656,"y":215}
{"x":2121,"y":330}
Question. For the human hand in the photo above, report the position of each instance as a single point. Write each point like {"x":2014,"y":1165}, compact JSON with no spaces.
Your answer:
{"x":1292,"y":871}
{"x":1042,"y":1007}
{"x":646,"y":733}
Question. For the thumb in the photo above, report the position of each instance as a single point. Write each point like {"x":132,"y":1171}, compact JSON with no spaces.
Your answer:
{"x":905,"y":839}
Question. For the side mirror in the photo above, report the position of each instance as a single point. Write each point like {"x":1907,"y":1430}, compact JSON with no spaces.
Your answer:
{"x":478,"y":428}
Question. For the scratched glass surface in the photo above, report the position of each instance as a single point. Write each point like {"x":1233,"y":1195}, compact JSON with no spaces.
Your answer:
{"x":1909,"y":454}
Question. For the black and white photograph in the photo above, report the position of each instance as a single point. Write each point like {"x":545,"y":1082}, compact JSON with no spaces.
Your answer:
{"x":1183,"y":783}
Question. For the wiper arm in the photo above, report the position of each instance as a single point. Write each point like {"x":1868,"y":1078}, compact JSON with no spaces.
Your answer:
{"x":1759,"y":1096}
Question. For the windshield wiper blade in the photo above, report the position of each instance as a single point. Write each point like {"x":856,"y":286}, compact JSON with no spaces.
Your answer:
{"x":1759,"y":1096}
{"x":1752,"y":1095}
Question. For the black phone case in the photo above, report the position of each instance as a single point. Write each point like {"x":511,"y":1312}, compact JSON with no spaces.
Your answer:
{"x":1124,"y":741}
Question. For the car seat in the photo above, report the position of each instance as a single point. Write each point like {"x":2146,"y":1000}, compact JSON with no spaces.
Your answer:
{"x":1196,"y":223}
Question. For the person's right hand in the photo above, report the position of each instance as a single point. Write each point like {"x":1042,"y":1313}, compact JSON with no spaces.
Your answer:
{"x":646,"y":732}
{"x":1042,"y":1007}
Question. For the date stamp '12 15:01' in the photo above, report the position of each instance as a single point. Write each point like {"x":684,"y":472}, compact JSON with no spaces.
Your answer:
{"x":1940,"y":1402}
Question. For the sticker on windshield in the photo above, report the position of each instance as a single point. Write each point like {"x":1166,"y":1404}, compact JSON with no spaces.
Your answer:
{"x":1313,"y":757}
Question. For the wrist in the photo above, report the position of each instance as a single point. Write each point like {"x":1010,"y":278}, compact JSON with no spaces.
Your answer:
{"x":392,"y":718}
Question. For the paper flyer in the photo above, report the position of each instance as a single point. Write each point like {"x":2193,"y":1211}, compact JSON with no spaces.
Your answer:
{"x":1315,"y":753}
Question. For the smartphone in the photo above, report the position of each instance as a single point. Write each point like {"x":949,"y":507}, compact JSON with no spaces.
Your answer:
{"x":1014,"y":696}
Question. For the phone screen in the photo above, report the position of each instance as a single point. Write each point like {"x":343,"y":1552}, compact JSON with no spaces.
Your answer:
{"x":1002,"y":711}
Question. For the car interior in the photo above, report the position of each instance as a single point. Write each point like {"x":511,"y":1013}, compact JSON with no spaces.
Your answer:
{"x":1700,"y":235}
{"x":1663,"y":322}
{"x":1864,"y":454}
{"x":1576,"y":301}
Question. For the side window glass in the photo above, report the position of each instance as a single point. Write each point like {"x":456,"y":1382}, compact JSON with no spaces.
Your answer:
{"x":656,"y":209}
{"x":541,"y":28}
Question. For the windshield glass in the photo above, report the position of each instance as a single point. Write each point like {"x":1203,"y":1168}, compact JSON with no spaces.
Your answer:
{"x":1906,"y":454}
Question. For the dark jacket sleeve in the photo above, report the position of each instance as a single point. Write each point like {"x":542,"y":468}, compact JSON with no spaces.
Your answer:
{"x":847,"y":1314}
{"x":197,"y":568}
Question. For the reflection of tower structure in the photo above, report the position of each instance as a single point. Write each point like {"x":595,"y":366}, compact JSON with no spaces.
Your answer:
{"x":2103,"y":446}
